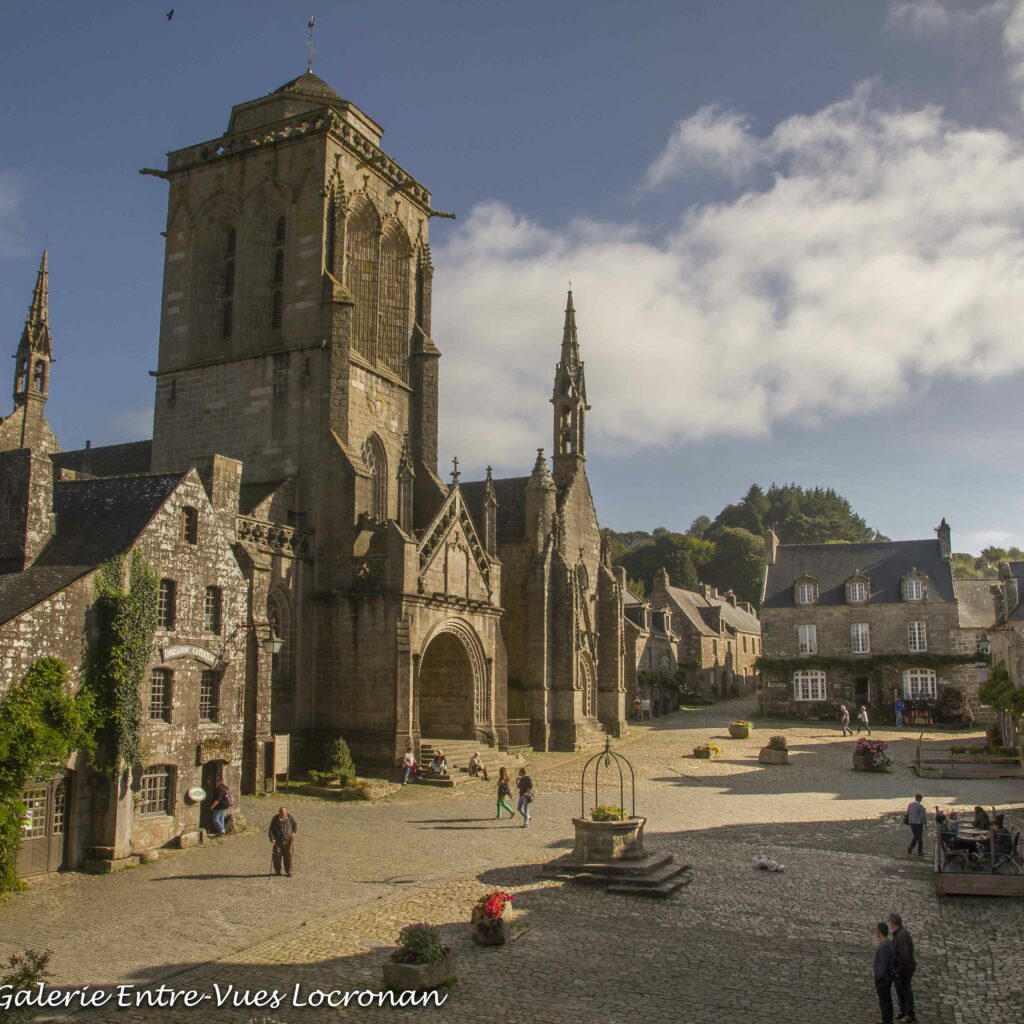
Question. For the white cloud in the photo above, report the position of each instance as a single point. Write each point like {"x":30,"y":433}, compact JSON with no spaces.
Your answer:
{"x":932,"y":17}
{"x":713,"y":139}
{"x":886,"y":251}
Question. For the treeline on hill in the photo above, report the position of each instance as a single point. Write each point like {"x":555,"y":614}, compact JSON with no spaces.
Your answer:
{"x":985,"y":566}
{"x":728,"y":551}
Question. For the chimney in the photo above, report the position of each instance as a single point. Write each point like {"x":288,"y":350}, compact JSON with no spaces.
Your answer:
{"x":771,"y":545}
{"x":620,"y":575}
{"x":661,"y":580}
{"x":730,"y":596}
{"x":945,"y":543}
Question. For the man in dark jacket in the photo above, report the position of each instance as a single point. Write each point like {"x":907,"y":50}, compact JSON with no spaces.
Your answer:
{"x":884,"y":956}
{"x":904,"y":966}
{"x":282,"y":834}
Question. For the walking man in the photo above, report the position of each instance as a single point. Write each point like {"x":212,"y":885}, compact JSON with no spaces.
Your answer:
{"x":525,"y":785}
{"x":222,"y":800}
{"x":862,"y":720}
{"x":898,"y":708}
{"x":916,"y":817}
{"x":904,"y":966}
{"x":408,"y":764}
{"x":844,"y":720}
{"x":884,"y":956}
{"x":282,"y":835}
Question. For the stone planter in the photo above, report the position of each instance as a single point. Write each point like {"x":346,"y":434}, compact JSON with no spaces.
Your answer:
{"x":702,"y":753}
{"x":418,"y":977}
{"x":739,"y":732}
{"x":865,"y":764}
{"x":608,"y":840}
{"x":495,"y":932}
{"x":769,"y":755}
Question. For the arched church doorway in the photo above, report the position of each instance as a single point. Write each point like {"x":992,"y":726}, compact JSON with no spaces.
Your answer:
{"x":449,"y":685}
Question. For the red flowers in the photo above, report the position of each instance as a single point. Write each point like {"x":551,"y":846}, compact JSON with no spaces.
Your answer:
{"x":489,"y":909}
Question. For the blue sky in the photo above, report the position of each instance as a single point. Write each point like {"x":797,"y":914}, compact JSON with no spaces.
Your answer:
{"x":795,"y":230}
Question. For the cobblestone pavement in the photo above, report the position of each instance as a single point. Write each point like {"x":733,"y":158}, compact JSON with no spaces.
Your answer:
{"x":736,"y":945}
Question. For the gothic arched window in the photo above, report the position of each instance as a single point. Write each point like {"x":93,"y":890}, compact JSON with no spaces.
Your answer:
{"x":39,"y":377}
{"x":277,"y":276}
{"x":362,"y":275}
{"x":395,"y":281}
{"x":227,"y":302}
{"x":375,"y":462}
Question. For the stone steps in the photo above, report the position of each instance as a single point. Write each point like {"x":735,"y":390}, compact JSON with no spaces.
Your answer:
{"x":656,"y":876}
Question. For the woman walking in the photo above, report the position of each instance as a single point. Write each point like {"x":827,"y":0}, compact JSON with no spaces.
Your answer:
{"x":504,"y":792}
{"x":525,"y":785}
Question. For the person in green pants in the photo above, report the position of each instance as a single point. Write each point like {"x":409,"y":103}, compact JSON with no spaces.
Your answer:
{"x":504,"y":792}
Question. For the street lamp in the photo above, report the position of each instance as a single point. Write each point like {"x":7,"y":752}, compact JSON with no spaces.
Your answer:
{"x":272,"y":644}
{"x":984,"y":645}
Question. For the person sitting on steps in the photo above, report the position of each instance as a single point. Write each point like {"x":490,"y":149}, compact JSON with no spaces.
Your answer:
{"x":476,"y":766}
{"x":439,"y":766}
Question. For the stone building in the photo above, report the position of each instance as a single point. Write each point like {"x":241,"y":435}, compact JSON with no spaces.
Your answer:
{"x":859,"y":623}
{"x":1006,"y":613}
{"x":296,"y":414}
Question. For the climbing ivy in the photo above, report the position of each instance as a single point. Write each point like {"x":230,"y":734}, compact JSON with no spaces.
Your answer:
{"x":41,"y":723}
{"x":784,"y":667}
{"x":126,"y":614}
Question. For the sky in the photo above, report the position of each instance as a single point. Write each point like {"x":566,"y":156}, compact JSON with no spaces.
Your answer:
{"x":795,"y":230}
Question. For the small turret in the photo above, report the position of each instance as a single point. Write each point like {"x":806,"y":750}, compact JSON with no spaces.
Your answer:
{"x":490,"y":516}
{"x":541,"y":502}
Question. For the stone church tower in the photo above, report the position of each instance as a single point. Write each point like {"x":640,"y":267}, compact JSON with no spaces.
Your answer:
{"x":295,"y":338}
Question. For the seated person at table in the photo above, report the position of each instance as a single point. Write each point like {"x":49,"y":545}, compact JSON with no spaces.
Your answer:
{"x":981,"y":821}
{"x":439,"y":766}
{"x":476,"y":766}
{"x":1001,"y":834}
{"x":946,"y":833}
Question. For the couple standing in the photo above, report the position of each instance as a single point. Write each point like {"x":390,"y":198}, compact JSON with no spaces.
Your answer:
{"x":525,"y":786}
{"x":895,"y":964}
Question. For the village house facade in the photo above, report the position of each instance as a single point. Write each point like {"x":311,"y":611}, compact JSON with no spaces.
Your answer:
{"x":296,"y":415}
{"x":857,"y":624}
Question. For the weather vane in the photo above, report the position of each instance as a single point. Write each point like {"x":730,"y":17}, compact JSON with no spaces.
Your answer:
{"x":310,"y":50}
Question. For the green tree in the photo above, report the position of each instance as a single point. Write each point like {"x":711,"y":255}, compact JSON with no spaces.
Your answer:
{"x":737,"y":564}
{"x":680,"y":555}
{"x":638,"y":587}
{"x":966,"y":567}
{"x":41,"y":723}
{"x":341,"y":763}
{"x":699,"y":526}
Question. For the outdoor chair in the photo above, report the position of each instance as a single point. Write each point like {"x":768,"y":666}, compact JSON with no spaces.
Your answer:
{"x":1008,"y":859}
{"x":952,"y":857}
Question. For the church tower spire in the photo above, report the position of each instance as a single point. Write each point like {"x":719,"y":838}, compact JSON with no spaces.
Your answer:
{"x":33,"y":358}
{"x":569,"y":398}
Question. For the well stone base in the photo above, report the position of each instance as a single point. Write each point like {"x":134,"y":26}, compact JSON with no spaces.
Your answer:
{"x":608,"y":840}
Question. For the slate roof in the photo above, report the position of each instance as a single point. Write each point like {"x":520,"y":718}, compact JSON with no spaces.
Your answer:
{"x":884,"y":563}
{"x":702,"y":611}
{"x":975,"y":603}
{"x":129,"y":459}
{"x":95,"y":520}
{"x":510,"y":493}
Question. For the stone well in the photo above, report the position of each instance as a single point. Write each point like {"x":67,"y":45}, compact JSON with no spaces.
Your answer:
{"x":608,"y":840}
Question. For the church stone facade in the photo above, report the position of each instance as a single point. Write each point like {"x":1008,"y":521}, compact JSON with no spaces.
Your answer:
{"x":297,"y":388}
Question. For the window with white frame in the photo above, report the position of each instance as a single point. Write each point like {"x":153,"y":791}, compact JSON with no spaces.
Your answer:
{"x":917,"y":637}
{"x":809,"y":685}
{"x":807,"y":637}
{"x":856,"y":591}
{"x":860,"y":638}
{"x":919,"y":684}
{"x":155,"y":791}
{"x":913,"y":590}
{"x":212,"y":604}
{"x":806,"y":593}
{"x":209,"y":695}
{"x":166,"y":612}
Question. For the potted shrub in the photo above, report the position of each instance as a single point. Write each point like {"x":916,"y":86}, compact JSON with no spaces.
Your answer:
{"x":420,"y":961}
{"x":870,"y":756}
{"x":740,"y":730}
{"x":492,"y":917}
{"x":777,"y":752}
{"x":706,"y":751}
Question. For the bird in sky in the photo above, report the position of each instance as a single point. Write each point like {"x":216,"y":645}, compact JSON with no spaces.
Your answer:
{"x":170,"y":14}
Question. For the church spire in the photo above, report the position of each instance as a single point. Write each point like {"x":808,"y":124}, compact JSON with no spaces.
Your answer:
{"x":35,"y":350}
{"x":569,"y":398}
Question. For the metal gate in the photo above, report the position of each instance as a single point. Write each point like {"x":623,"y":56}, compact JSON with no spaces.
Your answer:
{"x":43,"y":827}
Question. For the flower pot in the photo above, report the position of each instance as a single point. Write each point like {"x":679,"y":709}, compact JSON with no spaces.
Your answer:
{"x":739,"y":732}
{"x":702,"y":753}
{"x":769,"y":755}
{"x":419,"y":977}
{"x":495,"y":931}
{"x":865,"y":763}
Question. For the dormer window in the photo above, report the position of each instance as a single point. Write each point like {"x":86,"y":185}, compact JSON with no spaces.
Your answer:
{"x":913,"y":589}
{"x":856,"y":591}
{"x":805,"y":591}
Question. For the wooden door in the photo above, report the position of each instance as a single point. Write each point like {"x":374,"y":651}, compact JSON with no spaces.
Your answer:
{"x":43,"y":827}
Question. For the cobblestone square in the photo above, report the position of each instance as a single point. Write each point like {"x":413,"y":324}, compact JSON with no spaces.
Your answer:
{"x":736,"y":945}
